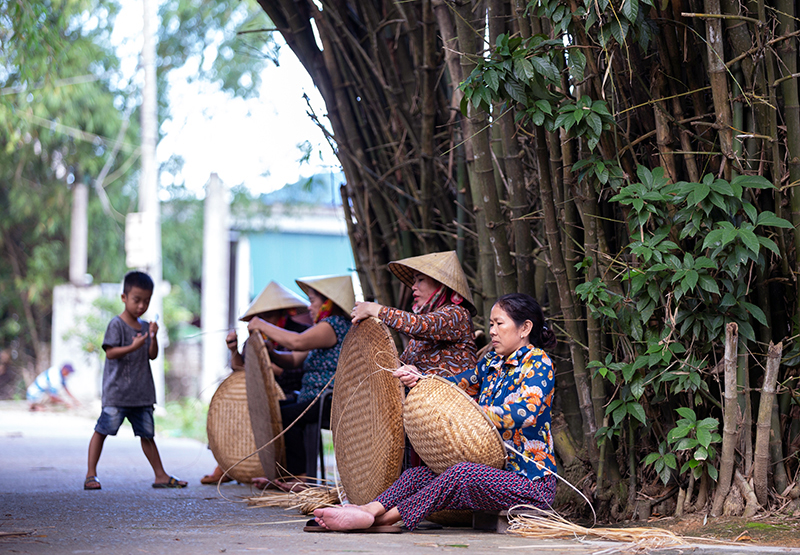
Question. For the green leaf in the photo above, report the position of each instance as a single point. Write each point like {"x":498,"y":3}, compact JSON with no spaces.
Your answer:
{"x":712,"y":472}
{"x":687,"y":413}
{"x":524,"y":69}
{"x":769,"y":218}
{"x":700,"y":453}
{"x":703,"y":437}
{"x":577,"y":63}
{"x":630,"y":9}
{"x":619,"y":415}
{"x":637,"y":411}
{"x":515,"y":91}
{"x":492,"y":79}
{"x":651,"y":458}
{"x":679,"y":431}
{"x":756,"y":313}
{"x":545,"y":107}
{"x":698,"y":194}
{"x":750,"y":210}
{"x":749,"y":239}
{"x":769,"y":243}
{"x":593,"y":120}
{"x":545,"y":68}
{"x":752,"y":181}
{"x":685,"y":443}
{"x":707,"y":283}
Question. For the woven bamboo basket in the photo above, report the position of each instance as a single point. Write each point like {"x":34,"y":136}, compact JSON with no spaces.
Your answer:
{"x":366,"y":412}
{"x":230,"y":435}
{"x":263,"y":401}
{"x":447,"y":427}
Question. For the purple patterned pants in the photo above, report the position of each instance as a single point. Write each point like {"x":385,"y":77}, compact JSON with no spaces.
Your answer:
{"x":419,"y":492}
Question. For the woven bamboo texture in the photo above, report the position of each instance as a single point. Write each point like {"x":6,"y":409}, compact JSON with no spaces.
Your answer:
{"x":447,"y":427}
{"x":366,"y":412}
{"x":263,"y":396}
{"x":230,"y":435}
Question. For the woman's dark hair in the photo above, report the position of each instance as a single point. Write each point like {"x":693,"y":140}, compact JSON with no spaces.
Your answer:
{"x":521,"y":307}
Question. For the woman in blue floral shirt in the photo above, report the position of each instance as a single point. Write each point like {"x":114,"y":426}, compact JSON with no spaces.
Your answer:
{"x":317,"y":349}
{"x":513,"y":384}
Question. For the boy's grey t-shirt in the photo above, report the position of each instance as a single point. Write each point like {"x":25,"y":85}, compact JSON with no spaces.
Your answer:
{"x":127,"y":381}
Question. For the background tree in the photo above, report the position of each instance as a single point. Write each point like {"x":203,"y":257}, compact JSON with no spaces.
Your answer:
{"x":639,"y":158}
{"x":68,"y":114}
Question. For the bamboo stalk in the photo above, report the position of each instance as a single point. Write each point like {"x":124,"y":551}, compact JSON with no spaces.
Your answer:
{"x":567,"y":298}
{"x":718,"y":77}
{"x":764,"y":426}
{"x":730,"y":426}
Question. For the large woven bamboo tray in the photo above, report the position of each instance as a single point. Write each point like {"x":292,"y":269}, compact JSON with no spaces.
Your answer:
{"x":230,"y":435}
{"x":367,"y":412}
{"x":263,"y":401}
{"x":446,"y":427}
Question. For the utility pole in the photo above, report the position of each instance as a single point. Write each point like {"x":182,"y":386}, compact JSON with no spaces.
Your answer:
{"x":148,"y":189}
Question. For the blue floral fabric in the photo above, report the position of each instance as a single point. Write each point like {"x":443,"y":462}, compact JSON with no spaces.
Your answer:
{"x":320,"y":364}
{"x":516,"y":394}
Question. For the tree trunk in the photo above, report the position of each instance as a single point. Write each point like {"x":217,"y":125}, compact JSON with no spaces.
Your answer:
{"x":730,"y":426}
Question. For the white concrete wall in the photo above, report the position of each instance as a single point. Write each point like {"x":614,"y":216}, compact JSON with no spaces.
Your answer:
{"x":71,"y":307}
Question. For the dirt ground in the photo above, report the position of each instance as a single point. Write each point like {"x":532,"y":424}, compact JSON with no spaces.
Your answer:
{"x":778,"y":530}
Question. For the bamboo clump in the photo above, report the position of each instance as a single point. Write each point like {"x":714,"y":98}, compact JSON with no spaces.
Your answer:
{"x":306,"y":500}
{"x":554,"y":526}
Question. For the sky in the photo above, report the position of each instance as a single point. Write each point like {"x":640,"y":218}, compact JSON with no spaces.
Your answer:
{"x":251,"y":142}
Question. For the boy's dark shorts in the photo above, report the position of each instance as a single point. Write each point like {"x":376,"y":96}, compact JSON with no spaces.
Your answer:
{"x":141,"y":418}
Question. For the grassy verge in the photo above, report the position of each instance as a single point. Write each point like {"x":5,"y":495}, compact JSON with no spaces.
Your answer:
{"x":184,"y":418}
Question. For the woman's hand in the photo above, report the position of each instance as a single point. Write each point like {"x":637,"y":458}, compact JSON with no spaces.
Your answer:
{"x":364,"y":310}
{"x":407,"y":374}
{"x":232,"y":341}
{"x":257,"y":323}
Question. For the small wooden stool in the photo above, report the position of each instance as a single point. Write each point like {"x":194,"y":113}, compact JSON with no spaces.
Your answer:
{"x":490,"y":521}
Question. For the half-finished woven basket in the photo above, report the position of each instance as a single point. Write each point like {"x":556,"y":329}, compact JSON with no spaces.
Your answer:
{"x":263,"y":400}
{"x":367,"y":412}
{"x":230,"y":436}
{"x":447,"y":427}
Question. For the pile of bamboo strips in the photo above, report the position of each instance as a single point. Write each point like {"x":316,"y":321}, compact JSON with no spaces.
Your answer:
{"x":554,"y":526}
{"x":305,"y":500}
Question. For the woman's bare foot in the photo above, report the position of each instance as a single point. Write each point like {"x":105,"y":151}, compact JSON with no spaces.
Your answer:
{"x":214,"y":477}
{"x":344,"y":518}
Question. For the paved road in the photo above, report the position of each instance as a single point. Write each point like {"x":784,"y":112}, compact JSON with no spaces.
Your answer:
{"x":43,"y":458}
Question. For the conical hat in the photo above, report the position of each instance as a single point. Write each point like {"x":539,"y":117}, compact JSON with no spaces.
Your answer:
{"x":444,"y":267}
{"x":274,"y":297}
{"x":339,"y":289}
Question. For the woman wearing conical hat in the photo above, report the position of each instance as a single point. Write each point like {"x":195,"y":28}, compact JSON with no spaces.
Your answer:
{"x":513,"y":385}
{"x":283,"y":308}
{"x":316,"y":349}
{"x":440,"y":323}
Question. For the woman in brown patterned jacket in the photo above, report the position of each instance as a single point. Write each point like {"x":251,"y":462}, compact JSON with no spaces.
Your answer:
{"x":440,"y":324}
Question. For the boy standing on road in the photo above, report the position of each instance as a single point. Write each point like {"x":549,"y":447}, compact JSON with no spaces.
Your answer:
{"x":128,"y":388}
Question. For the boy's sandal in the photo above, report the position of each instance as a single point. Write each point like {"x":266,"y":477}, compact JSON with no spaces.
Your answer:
{"x":173,"y":482}
{"x":91,"y":482}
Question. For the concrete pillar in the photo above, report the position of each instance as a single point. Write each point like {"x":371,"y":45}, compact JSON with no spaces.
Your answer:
{"x":244,"y":282}
{"x":215,"y":288}
{"x":79,"y":235}
{"x":148,"y":188}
